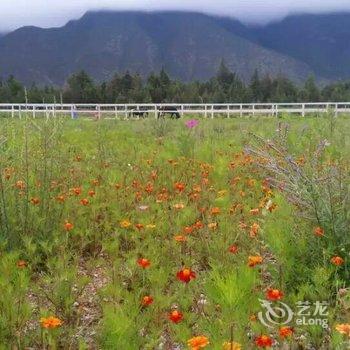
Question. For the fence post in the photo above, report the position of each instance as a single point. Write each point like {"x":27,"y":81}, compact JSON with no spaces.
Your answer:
{"x":155,"y":112}
{"x":212,"y":111}
{"x":303,"y":110}
{"x":205,"y":111}
{"x":241,"y":110}
{"x":126,"y":112}
{"x":228,"y":111}
{"x":336,"y":110}
{"x":33,"y":112}
{"x":182,"y":111}
{"x":20,"y":111}
{"x":13,"y":111}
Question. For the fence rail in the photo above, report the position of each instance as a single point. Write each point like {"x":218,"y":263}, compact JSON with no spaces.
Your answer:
{"x":127,"y":111}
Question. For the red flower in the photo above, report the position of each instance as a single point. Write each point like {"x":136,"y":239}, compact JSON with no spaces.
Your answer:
{"x":337,"y":260}
{"x":35,"y":200}
{"x":77,"y":191}
{"x":233,"y":249}
{"x":91,"y":193}
{"x":215,"y":211}
{"x":185,"y":275}
{"x":318,"y":231}
{"x":286,"y":332}
{"x":179,"y":186}
{"x":274,"y":294}
{"x":147,"y":300}
{"x":68,"y":226}
{"x":84,"y":201}
{"x":263,"y":341}
{"x":175,"y":316}
{"x":144,"y":263}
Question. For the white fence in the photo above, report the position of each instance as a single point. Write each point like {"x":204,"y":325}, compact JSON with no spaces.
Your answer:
{"x":126,"y":111}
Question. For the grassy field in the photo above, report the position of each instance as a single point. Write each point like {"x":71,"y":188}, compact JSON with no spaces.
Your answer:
{"x":161,"y":235}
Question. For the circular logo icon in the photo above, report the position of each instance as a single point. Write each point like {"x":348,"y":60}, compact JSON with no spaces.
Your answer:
{"x":275,"y":313}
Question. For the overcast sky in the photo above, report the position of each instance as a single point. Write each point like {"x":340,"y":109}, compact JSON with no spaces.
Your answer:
{"x":52,"y":13}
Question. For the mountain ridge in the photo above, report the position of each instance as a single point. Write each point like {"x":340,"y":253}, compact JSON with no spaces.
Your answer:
{"x":188,"y":45}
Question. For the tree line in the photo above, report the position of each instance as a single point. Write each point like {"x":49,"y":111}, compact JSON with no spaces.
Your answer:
{"x":224,"y":87}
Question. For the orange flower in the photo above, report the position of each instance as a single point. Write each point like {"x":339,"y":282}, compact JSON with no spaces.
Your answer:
{"x":95,"y":182}
{"x":149,"y":188}
{"x":254,"y":260}
{"x":188,"y":230}
{"x":20,"y":185}
{"x":21,"y":264}
{"x":180,"y":238}
{"x":144,"y":263}
{"x":254,"y":230}
{"x":50,"y":322}
{"x":68,"y":226}
{"x":60,"y":198}
{"x":91,"y":193}
{"x":125,"y":224}
{"x":233,"y":249}
{"x":215,"y":211}
{"x":175,"y":316}
{"x":286,"y":332}
{"x":343,"y":329}
{"x":35,"y":200}
{"x":179,"y":186}
{"x":77,"y":191}
{"x":319,"y":231}
{"x":198,"y":342}
{"x":264,"y":341}
{"x":84,"y":201}
{"x":147,"y":300}
{"x":274,"y":294}
{"x":185,"y":275}
{"x":337,"y":260}
{"x":198,"y":225}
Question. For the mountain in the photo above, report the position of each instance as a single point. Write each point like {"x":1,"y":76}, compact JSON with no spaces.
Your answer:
{"x":187,"y":45}
{"x":321,"y":41}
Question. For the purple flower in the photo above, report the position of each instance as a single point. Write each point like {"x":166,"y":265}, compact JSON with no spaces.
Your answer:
{"x":192,"y":123}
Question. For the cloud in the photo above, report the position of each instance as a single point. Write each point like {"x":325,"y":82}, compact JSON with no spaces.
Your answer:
{"x":52,"y":13}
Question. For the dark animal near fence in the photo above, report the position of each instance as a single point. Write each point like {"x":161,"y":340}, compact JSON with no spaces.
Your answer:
{"x":170,"y":110}
{"x":141,"y":113}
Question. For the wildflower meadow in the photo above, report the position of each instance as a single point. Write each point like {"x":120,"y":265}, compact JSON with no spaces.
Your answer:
{"x":227,"y":234}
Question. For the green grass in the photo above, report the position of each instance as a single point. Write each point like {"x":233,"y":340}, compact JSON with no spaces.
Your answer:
{"x":127,"y":173}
